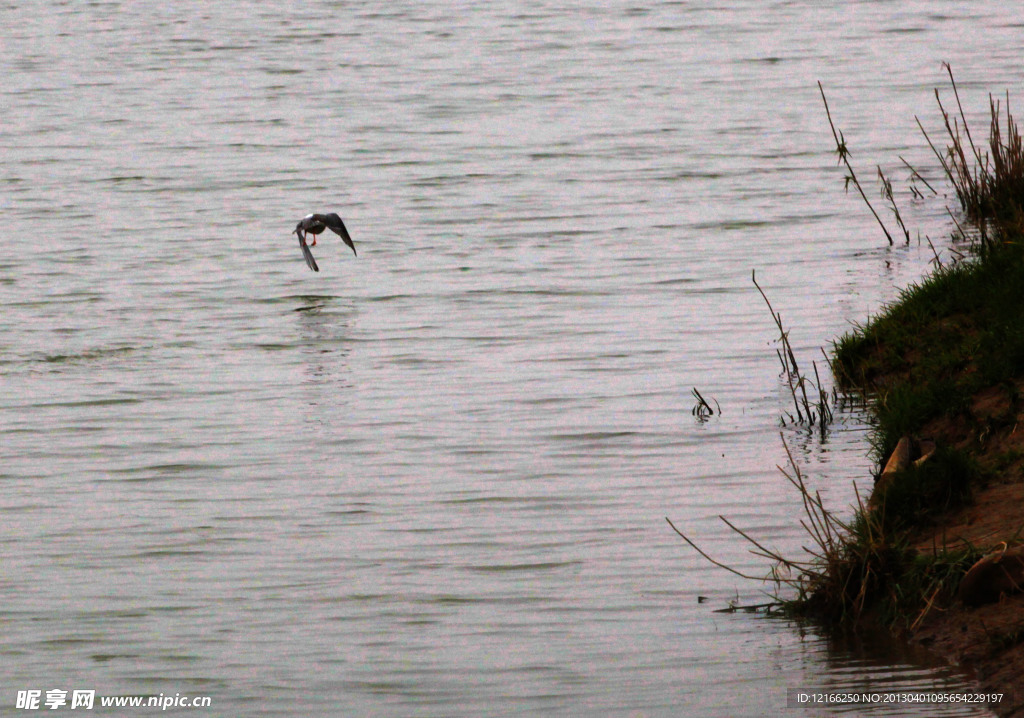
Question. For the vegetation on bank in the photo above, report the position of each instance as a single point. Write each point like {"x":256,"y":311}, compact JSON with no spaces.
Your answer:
{"x":945,"y":339}
{"x":921,"y":363}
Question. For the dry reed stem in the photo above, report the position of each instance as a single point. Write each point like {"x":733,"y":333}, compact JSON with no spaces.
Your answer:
{"x":844,"y":157}
{"x":888,"y":195}
{"x":917,"y":175}
{"x":829,"y":535}
{"x":698,"y":549}
{"x":794,"y":379}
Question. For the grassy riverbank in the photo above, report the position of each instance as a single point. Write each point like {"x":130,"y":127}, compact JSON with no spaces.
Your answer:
{"x":945,"y":364}
{"x":935,"y":551}
{"x":925,"y":361}
{"x":943,"y":368}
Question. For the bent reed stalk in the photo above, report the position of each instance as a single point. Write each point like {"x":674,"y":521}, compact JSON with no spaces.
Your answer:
{"x":821,"y":413}
{"x":702,"y":410}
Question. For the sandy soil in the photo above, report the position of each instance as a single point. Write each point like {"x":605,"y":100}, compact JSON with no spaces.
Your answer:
{"x":989,"y":639}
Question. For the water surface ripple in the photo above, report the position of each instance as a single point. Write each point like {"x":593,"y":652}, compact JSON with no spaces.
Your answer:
{"x":432,"y":479}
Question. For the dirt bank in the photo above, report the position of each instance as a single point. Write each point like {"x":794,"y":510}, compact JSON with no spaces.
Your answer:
{"x":987,"y":639}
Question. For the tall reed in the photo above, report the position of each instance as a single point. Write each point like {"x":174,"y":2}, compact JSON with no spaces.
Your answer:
{"x":818,"y":413}
{"x":989,"y":184}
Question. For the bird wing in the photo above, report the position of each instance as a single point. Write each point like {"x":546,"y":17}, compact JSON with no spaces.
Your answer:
{"x":306,"y":252}
{"x":338,"y":227}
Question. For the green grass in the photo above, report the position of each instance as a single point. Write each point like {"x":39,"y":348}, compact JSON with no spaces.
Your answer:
{"x":927,"y":354}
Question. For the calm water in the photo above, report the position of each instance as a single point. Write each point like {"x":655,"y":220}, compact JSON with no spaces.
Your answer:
{"x":432,"y":479}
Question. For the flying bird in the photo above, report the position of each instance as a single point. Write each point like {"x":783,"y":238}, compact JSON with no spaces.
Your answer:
{"x":314,"y":224}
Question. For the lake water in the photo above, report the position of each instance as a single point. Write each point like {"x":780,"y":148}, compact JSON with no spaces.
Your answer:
{"x":433,"y":479}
